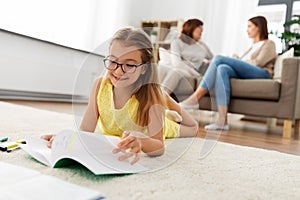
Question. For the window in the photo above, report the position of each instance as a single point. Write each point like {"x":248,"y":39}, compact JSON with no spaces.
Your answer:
{"x":275,"y":15}
{"x":295,"y":11}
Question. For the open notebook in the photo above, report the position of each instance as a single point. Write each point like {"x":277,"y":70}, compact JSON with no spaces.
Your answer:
{"x":94,"y":151}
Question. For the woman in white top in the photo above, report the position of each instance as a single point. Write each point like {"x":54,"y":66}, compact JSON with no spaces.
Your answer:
{"x":256,"y":63}
{"x":189,"y":56}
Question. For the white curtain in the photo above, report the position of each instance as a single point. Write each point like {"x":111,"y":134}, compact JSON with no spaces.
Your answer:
{"x":226,"y":24}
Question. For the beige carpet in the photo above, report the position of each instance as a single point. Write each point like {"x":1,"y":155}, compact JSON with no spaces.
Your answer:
{"x":227,"y":172}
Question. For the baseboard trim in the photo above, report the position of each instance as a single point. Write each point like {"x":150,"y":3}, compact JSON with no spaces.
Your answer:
{"x":40,"y":96}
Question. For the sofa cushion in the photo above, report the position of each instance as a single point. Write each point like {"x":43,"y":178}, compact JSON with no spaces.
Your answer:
{"x":186,"y":86}
{"x":278,"y":63}
{"x":266,"y":89}
{"x":164,"y":57}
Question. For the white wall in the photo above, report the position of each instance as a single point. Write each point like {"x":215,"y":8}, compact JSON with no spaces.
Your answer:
{"x":46,"y":70}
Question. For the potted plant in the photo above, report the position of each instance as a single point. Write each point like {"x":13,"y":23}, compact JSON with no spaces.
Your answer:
{"x":291,"y":36}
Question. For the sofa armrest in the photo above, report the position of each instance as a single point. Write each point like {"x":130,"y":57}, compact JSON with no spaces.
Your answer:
{"x":290,"y":89}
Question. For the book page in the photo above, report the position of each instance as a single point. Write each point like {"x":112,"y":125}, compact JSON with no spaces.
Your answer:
{"x":23,"y":183}
{"x":38,"y":149}
{"x":100,"y":147}
{"x":94,"y":151}
{"x":67,"y":144}
{"x":11,"y":174}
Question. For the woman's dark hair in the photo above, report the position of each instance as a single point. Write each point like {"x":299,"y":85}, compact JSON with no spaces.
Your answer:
{"x":262,"y":24}
{"x":188,"y":28}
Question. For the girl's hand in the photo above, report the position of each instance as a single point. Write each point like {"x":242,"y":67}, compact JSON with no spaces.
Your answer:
{"x":48,"y":138}
{"x":130,"y":145}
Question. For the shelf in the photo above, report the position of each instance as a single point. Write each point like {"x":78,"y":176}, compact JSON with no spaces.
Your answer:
{"x":161,"y":28}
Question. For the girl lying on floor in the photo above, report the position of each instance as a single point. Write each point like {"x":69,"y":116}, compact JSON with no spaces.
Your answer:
{"x":128,"y":101}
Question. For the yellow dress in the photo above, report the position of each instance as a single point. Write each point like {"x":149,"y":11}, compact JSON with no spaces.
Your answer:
{"x":114,"y":122}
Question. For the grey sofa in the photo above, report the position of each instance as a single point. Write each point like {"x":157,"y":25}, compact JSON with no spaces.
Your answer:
{"x":275,"y":98}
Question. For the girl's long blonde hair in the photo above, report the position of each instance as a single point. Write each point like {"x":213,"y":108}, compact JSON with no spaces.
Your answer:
{"x":148,"y":91}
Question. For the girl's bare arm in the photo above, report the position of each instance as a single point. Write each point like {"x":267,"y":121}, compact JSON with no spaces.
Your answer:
{"x":91,"y":115}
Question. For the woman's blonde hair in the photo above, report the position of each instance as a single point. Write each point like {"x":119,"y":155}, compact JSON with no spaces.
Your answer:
{"x":148,"y":91}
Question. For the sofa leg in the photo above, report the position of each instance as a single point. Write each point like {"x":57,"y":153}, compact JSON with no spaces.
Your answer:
{"x":271,"y":123}
{"x":297,"y":129}
{"x":287,"y":129}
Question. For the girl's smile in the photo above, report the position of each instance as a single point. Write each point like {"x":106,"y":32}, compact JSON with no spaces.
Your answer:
{"x":118,"y":77}
{"x":121,"y":54}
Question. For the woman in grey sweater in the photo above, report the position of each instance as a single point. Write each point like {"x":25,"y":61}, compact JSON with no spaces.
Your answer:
{"x":188,"y":54}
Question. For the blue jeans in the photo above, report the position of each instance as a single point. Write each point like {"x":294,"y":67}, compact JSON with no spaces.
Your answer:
{"x":222,"y":69}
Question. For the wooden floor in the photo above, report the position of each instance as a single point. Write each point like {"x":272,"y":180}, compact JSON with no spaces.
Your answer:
{"x":243,"y":132}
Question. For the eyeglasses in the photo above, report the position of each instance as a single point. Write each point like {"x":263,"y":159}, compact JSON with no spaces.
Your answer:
{"x":126,"y":68}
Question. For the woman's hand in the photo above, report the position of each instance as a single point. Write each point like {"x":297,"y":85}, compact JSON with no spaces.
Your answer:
{"x":206,"y":61}
{"x":131,"y":145}
{"x":48,"y":138}
{"x":235,"y":56}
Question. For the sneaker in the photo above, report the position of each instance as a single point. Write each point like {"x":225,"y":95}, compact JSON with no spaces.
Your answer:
{"x":189,"y":107}
{"x":215,"y":127}
{"x":173,"y":115}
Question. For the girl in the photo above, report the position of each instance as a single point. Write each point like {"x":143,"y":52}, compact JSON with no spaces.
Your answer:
{"x":257,"y":62}
{"x":127,"y":102}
